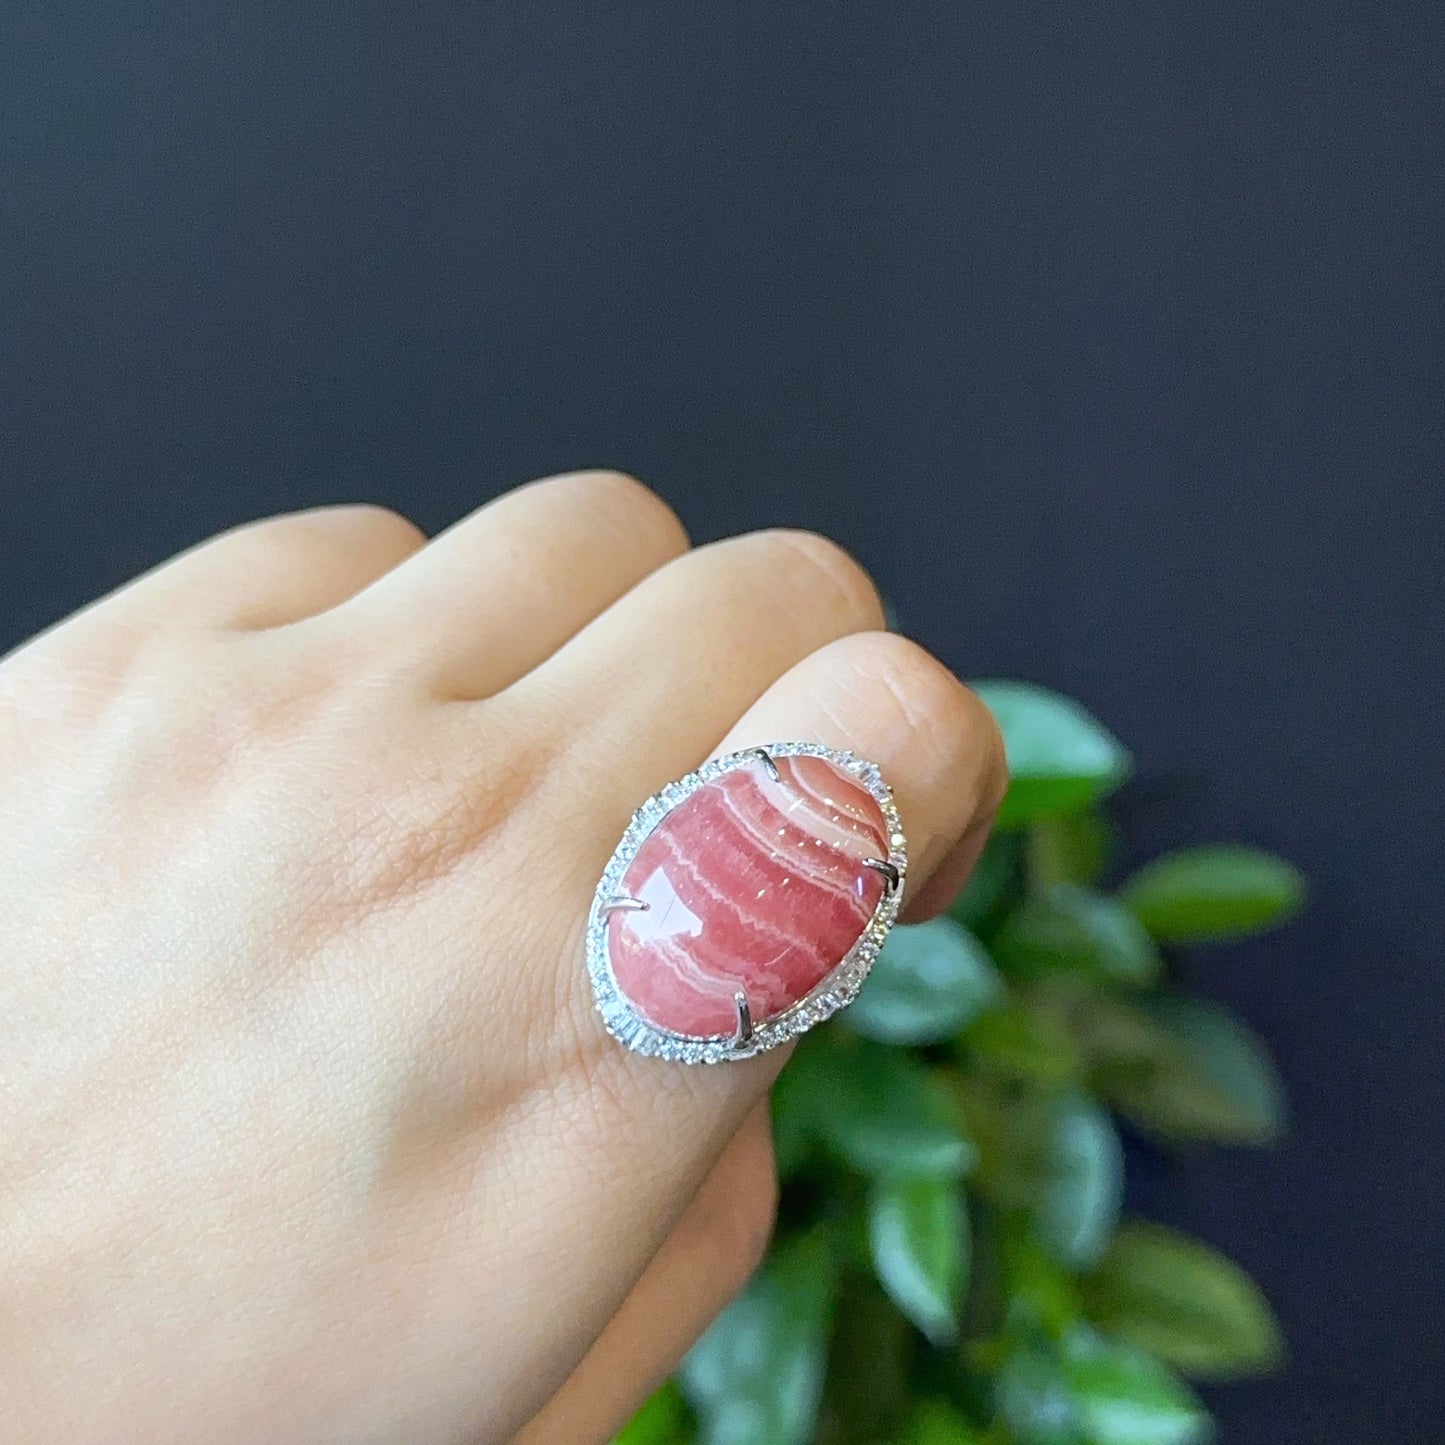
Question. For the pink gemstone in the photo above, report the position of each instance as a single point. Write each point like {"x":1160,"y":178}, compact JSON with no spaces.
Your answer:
{"x":750,"y":885}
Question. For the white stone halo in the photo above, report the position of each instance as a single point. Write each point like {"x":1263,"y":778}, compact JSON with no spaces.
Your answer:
{"x":837,"y":989}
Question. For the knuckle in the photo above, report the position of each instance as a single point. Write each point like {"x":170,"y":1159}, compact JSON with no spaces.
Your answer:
{"x":631,"y":506}
{"x":820,"y":566}
{"x":913,"y":695}
{"x":379,"y":522}
{"x":375,"y":529}
{"x":994,"y":770}
{"x":304,"y":539}
{"x":931,"y":704}
{"x":62,"y":688}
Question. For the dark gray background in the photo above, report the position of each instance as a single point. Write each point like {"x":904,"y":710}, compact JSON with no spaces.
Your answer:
{"x":1108,"y":335}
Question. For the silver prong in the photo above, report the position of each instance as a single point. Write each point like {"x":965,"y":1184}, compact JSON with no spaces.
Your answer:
{"x":623,"y":905}
{"x":767,"y":761}
{"x":886,"y":869}
{"x":744,"y":1031}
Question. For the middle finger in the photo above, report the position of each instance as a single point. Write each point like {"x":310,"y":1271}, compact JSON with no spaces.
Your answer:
{"x":690,"y":649}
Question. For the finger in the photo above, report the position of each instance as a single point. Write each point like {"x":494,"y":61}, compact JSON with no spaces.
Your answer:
{"x":946,"y":881}
{"x":717,"y":1244}
{"x":641,"y":1133}
{"x":268,"y":573}
{"x":642,"y":694}
{"x":499,"y":592}
{"x":885,"y":698}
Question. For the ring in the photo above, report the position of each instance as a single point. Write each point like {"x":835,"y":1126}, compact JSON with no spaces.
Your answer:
{"x":745,"y":903}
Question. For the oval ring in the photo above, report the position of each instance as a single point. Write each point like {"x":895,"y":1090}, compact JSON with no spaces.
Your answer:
{"x":714,"y":927}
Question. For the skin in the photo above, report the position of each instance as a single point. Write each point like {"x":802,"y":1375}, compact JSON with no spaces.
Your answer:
{"x":308,"y":1130}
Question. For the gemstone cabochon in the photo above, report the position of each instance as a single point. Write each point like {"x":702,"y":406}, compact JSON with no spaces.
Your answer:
{"x":754,"y":883}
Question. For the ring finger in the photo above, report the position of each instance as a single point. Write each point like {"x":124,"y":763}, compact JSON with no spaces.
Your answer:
{"x":702,"y":1264}
{"x":642,"y":1133}
{"x":649,"y":687}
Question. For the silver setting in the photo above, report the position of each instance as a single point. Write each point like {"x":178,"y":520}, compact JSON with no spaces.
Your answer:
{"x":890,"y":874}
{"x":750,"y":1036}
{"x":766,"y":758}
{"x":629,"y":905}
{"x":744,"y":1031}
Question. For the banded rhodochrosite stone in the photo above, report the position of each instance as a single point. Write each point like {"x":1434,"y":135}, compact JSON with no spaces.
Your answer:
{"x":752,"y":884}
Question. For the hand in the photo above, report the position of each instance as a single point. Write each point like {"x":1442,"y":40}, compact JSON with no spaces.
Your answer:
{"x":308,"y":1129}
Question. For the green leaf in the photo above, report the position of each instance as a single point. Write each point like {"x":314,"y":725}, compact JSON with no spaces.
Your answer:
{"x":1118,"y":1035}
{"x":870,"y":1360}
{"x":1123,"y":1397}
{"x":1204,"y":1077}
{"x":1214,"y":893}
{"x":1094,"y":1392}
{"x":1071,"y":929}
{"x":1184,"y":1302}
{"x":756,"y":1377}
{"x":1033,"y":1400}
{"x":1012,"y":1131}
{"x":1041,"y":1295}
{"x":881,"y":1111}
{"x":1083,"y":1186}
{"x":662,"y":1420}
{"x":877,"y":1109}
{"x":937,"y":1423}
{"x":929,"y":980}
{"x":1070,"y":848}
{"x":918,"y":1235}
{"x":996,"y":880}
{"x":1060,"y":759}
{"x":1056,"y":1158}
{"x":1023,"y":1044}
